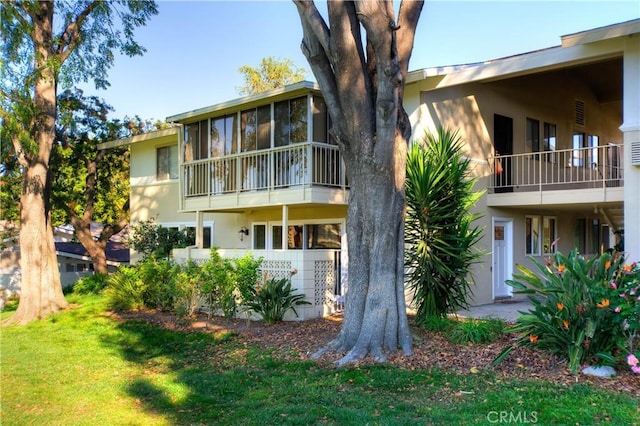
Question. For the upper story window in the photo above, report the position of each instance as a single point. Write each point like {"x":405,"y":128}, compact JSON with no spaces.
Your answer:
{"x":533,"y":134}
{"x":585,"y":157}
{"x":290,"y":120}
{"x":224,"y":136}
{"x":167,"y":162}
{"x":196,"y":141}
{"x":255,"y":128}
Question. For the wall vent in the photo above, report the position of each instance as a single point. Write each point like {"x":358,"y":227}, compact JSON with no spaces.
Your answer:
{"x":635,"y":153}
{"x":580,"y":113}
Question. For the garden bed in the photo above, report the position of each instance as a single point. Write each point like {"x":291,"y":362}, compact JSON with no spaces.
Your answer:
{"x":297,"y":340}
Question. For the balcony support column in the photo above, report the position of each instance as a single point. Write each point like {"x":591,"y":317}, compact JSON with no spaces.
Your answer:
{"x":285,"y":227}
{"x":631,"y":131}
{"x":199,"y":229}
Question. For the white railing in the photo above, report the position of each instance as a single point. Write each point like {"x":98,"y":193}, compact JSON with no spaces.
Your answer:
{"x":294,"y":165}
{"x":598,"y":167}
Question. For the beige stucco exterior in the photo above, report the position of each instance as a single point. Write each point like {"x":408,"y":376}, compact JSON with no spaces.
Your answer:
{"x":590,"y":85}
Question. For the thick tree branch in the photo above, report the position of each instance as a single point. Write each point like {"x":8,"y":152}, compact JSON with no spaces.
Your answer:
{"x":309,"y":13}
{"x":70,"y":38}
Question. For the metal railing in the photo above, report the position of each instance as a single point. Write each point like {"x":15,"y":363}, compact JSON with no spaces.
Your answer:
{"x":597,"y":167}
{"x":290,"y":166}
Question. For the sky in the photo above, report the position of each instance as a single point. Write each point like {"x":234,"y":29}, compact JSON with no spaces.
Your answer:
{"x":194,"y":48}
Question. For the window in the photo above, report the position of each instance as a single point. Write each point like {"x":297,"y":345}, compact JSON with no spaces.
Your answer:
{"x":549,"y":139}
{"x":541,"y":232}
{"x":196,"y":141}
{"x":290,"y":121}
{"x":587,"y":235}
{"x":307,"y":236}
{"x":550,"y":135}
{"x":532,"y":235}
{"x":223,"y":136}
{"x":259,"y":236}
{"x":325,"y":236}
{"x":167,"y":162}
{"x":533,"y":134}
{"x":592,"y":154}
{"x":206,"y":236}
{"x":256,"y":128}
{"x":578,"y":152}
{"x":549,"y":235}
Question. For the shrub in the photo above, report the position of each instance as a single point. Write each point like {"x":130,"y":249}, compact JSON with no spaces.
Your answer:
{"x":623,"y":292}
{"x":217,"y":282}
{"x":91,"y":284}
{"x":125,"y":290}
{"x":160,"y":287}
{"x":187,"y":282}
{"x":150,"y":239}
{"x":572,"y":315}
{"x":473,"y":330}
{"x":439,"y":231}
{"x":274,"y":299}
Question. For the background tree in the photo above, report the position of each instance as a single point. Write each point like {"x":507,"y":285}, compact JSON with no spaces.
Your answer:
{"x":91,"y":185}
{"x":439,"y":231}
{"x":270,"y":74}
{"x":38,"y":53}
{"x":363,"y":86}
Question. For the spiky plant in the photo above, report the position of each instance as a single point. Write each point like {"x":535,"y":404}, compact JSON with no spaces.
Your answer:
{"x":439,"y":231}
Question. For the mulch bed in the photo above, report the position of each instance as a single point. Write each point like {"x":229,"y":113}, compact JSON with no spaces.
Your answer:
{"x":298,"y":340}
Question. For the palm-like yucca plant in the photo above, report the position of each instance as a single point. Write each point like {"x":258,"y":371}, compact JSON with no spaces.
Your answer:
{"x":273,"y":299}
{"x":439,"y":231}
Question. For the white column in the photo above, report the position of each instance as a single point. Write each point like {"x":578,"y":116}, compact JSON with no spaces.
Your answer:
{"x":631,"y":129}
{"x":199,"y":229}
{"x":285,"y":227}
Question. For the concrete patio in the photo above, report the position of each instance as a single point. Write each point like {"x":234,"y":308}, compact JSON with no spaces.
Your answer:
{"x":506,"y":309}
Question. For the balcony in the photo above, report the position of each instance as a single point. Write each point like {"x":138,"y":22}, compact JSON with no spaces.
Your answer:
{"x":571,"y":176}
{"x":301,"y":173}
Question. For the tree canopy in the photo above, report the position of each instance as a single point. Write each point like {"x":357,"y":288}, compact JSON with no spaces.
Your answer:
{"x":270,"y":74}
{"x":45,"y":44}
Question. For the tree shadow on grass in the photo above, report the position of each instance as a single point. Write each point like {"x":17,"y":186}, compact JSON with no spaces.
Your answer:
{"x":203,"y":378}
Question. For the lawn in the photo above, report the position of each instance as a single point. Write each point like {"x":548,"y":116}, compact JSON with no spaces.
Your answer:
{"x":85,"y":366}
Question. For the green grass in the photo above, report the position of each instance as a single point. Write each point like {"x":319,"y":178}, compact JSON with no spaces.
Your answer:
{"x":82,"y":367}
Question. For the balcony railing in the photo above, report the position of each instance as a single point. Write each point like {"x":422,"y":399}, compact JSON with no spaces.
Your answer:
{"x":307,"y":164}
{"x":597,"y":167}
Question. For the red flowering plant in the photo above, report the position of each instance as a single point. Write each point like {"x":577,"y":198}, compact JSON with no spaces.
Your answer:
{"x":573,"y":316}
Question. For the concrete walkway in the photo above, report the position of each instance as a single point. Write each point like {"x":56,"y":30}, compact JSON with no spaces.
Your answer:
{"x":507,"y":310}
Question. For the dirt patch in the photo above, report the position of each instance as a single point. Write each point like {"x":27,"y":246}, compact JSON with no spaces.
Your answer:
{"x":297,"y":340}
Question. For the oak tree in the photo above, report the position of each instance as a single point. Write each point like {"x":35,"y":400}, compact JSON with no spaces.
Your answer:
{"x":44,"y":44}
{"x":360,"y":58}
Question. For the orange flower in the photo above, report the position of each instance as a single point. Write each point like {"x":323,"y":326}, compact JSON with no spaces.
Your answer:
{"x":560,"y":306}
{"x":533,"y":339}
{"x":561,"y":268}
{"x":603,"y":304}
{"x":565,"y":323}
{"x":607,"y":265}
{"x":627,"y":268}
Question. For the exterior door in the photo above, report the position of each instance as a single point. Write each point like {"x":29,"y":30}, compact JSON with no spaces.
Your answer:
{"x":503,"y":145}
{"x":501,"y":258}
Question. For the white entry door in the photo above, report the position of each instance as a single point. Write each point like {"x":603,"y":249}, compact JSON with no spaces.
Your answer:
{"x":501,"y":258}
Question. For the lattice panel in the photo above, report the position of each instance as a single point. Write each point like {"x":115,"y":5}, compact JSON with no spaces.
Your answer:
{"x":276,"y":269}
{"x":324,"y":282}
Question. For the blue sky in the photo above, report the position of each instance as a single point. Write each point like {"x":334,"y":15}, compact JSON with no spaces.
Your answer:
{"x":194,"y":48}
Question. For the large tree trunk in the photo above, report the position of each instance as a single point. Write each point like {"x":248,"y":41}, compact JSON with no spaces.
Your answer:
{"x":363,"y":89}
{"x":41,"y":290}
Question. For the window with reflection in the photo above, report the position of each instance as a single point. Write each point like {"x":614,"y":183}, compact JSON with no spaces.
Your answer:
{"x":196,"y":141}
{"x":290,"y":118}
{"x":323,"y":236}
{"x":223,"y":136}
